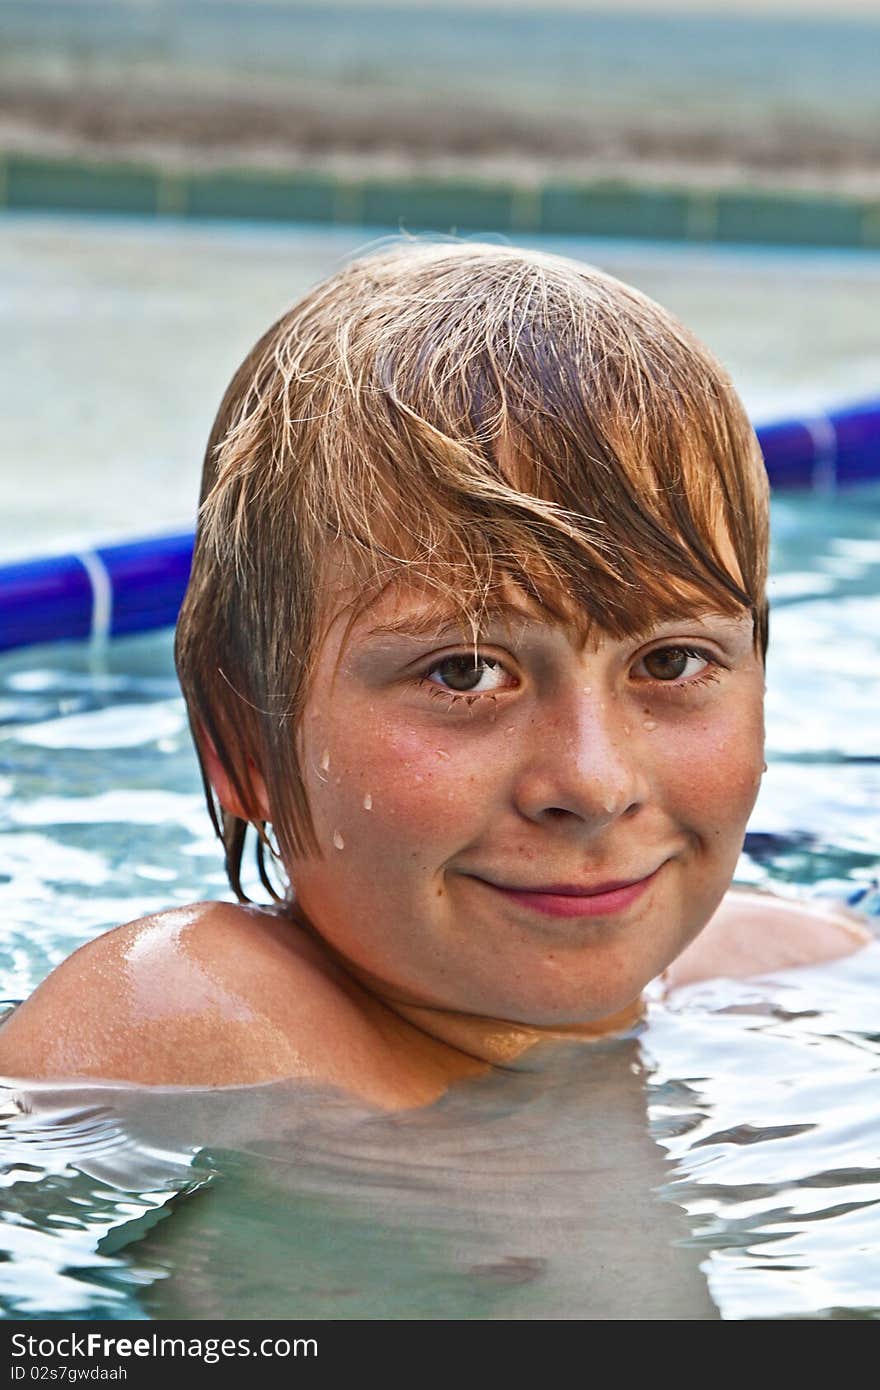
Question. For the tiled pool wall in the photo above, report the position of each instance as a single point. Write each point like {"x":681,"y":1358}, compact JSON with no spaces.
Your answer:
{"x":442,"y":205}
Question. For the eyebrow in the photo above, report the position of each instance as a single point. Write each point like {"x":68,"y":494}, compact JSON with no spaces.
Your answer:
{"x":431,"y":623}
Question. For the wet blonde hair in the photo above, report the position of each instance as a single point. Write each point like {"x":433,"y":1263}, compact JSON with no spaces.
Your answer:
{"x":465,"y":414}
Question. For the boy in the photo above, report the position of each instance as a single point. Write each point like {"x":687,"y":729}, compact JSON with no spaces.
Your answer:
{"x":477,"y":624}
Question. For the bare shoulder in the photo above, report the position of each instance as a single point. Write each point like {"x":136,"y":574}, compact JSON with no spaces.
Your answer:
{"x":756,"y":934}
{"x":206,"y":995}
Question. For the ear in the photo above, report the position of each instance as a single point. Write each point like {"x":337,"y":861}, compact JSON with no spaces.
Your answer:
{"x":220,"y":781}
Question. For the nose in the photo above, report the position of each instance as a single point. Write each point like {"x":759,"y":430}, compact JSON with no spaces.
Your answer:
{"x":583,"y":766}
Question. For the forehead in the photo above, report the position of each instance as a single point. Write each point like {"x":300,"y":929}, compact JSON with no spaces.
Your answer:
{"x":410,"y":608}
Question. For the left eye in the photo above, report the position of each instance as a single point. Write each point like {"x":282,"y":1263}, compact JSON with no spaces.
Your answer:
{"x":675,"y":663}
{"x":462,"y":675}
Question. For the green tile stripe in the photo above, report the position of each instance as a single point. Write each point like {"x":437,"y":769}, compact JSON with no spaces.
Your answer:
{"x":614,"y":210}
{"x":446,"y":206}
{"x":871,"y":224}
{"x":261,"y":197}
{"x":57,"y":184}
{"x":443,"y":205}
{"x":814,"y":221}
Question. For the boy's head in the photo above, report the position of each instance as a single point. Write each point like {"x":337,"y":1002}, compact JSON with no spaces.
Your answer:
{"x":458,"y":416}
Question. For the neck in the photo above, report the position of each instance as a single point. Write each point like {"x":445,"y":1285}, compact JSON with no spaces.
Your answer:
{"x":475,"y":1037}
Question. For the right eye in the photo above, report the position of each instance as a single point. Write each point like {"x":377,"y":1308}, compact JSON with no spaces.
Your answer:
{"x":463,"y":676}
{"x":674,"y":663}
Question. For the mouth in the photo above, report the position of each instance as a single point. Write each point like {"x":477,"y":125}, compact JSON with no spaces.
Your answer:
{"x":563,"y":900}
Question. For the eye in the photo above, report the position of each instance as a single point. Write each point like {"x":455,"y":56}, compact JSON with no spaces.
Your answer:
{"x":469,"y":674}
{"x":678,"y":664}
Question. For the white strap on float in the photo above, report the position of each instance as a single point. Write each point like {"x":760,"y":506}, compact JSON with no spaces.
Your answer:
{"x":824,"y":436}
{"x":102,"y":595}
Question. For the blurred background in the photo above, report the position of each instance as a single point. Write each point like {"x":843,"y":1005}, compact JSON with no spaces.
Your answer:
{"x":174,"y":174}
{"x":778,"y":94}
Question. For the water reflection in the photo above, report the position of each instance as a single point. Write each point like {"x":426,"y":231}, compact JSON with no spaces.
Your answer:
{"x":527,"y":1194}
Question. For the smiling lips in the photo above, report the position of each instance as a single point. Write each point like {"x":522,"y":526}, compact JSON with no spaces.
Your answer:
{"x":569,"y":900}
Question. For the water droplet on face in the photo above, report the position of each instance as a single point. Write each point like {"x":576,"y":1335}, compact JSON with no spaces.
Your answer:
{"x":338,"y":840}
{"x":626,"y":729}
{"x":588,"y":690}
{"x":368,"y":802}
{"x":511,"y":730}
{"x":325,"y":759}
{"x":649,"y":724}
{"x":441,"y":753}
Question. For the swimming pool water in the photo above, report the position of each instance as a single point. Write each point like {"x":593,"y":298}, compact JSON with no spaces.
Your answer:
{"x":722,"y":1162}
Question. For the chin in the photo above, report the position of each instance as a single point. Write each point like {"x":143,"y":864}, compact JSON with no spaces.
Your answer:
{"x":567,"y":1002}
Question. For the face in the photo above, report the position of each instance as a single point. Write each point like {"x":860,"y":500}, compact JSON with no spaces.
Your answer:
{"x":534,"y":834}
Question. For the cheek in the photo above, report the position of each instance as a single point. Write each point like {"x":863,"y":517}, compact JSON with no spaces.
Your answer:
{"x":381,"y":780}
{"x":714,"y":768}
